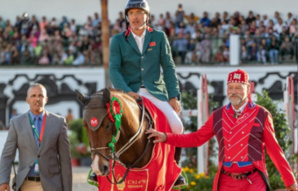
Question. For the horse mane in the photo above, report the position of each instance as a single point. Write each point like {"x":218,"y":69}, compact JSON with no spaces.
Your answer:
{"x":119,"y":92}
{"x":129,"y":104}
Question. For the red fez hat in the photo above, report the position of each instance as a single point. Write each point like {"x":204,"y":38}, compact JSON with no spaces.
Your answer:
{"x":238,"y":76}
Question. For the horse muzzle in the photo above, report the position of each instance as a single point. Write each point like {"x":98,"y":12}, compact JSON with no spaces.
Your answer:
{"x":100,"y":170}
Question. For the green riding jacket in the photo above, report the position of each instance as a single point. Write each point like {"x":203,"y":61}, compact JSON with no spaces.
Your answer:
{"x":129,"y":68}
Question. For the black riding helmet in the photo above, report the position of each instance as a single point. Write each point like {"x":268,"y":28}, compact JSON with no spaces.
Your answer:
{"x":138,"y":4}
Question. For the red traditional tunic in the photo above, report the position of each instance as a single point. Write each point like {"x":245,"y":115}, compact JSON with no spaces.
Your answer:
{"x":240,"y":139}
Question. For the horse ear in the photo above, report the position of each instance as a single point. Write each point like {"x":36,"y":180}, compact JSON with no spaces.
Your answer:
{"x":83,"y":98}
{"x":106,"y":96}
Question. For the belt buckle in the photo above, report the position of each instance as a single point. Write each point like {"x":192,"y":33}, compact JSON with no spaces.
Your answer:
{"x":236,"y":176}
{"x":35,"y":179}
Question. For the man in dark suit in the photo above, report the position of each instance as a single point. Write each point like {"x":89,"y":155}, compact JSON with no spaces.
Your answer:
{"x":42,"y":142}
{"x":136,"y":59}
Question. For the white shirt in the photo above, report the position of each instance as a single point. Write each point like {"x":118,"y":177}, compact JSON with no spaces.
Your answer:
{"x":240,"y":110}
{"x":278,"y":28}
{"x":266,"y":22}
{"x":140,"y":40}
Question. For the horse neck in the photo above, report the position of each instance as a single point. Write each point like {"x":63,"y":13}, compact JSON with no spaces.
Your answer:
{"x":130,"y":125}
{"x":130,"y":119}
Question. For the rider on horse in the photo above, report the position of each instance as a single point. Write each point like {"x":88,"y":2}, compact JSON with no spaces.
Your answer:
{"x":136,"y":57}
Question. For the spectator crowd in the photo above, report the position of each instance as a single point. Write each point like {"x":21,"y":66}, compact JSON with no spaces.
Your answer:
{"x":194,"y":38}
{"x":29,"y":41}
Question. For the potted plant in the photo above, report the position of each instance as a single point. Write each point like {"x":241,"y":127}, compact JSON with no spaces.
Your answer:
{"x":80,"y":143}
{"x":75,"y":155}
{"x":84,"y":148}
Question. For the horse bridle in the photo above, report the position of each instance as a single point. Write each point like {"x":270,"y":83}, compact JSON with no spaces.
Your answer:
{"x":115,"y":156}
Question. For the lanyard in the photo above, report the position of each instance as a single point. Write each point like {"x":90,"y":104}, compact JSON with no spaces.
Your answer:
{"x":42,"y":127}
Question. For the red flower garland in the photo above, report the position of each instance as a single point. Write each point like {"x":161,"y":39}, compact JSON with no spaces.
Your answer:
{"x":116,"y":110}
{"x":115,"y":114}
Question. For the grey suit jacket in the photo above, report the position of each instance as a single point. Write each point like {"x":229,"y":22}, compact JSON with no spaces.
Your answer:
{"x":53,"y":156}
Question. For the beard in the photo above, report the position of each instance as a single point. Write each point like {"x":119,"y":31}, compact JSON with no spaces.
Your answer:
{"x":235,"y":100}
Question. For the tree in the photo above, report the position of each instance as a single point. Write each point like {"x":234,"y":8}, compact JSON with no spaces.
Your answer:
{"x":282,"y":135}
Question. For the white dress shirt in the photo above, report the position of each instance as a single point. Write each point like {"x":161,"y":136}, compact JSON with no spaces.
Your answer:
{"x":140,"y":40}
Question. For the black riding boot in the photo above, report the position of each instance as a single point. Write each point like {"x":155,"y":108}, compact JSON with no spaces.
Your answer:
{"x":180,"y":180}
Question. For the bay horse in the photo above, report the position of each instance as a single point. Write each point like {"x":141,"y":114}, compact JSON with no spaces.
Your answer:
{"x":131,"y":146}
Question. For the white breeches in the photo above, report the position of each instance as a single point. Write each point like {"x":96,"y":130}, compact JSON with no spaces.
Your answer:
{"x":173,"y":119}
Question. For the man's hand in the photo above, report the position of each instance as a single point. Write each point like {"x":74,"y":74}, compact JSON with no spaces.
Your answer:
{"x":175,"y":104}
{"x":159,"y":136}
{"x":4,"y":187}
{"x":134,"y":95}
{"x":293,"y":187}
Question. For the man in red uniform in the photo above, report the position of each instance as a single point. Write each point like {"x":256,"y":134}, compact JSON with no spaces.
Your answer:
{"x":242,"y":129}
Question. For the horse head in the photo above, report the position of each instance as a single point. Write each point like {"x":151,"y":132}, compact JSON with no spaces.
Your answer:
{"x":99,"y":128}
{"x":102,"y":129}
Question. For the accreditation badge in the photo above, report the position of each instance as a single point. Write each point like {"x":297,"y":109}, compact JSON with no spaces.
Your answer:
{"x":36,"y":167}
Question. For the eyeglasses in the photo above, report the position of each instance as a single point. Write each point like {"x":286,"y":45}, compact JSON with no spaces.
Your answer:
{"x":137,"y":13}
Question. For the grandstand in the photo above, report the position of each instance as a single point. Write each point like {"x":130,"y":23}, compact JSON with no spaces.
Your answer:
{"x":58,"y":33}
{"x":199,"y":38}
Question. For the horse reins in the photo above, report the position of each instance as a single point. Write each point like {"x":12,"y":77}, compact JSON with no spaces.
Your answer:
{"x":134,"y":138}
{"x":95,"y":151}
{"x":128,"y":144}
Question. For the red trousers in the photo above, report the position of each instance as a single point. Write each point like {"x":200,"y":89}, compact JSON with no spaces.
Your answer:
{"x":227,"y":183}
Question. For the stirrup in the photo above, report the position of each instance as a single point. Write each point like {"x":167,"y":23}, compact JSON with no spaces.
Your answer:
{"x":181,"y":186}
{"x":92,"y":178}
